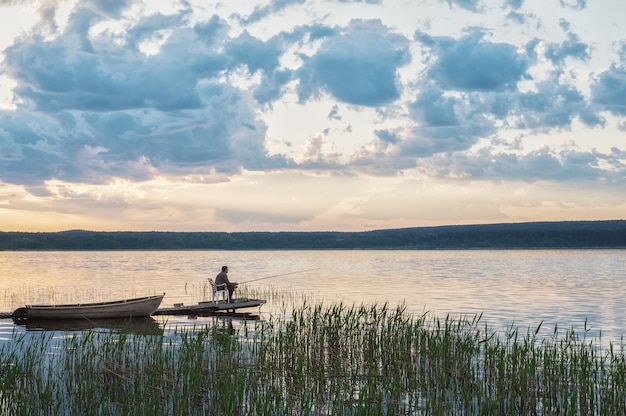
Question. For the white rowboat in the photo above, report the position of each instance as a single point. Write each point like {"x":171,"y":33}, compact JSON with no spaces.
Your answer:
{"x":126,"y":308}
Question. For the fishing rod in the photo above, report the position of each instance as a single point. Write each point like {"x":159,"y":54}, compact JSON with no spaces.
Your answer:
{"x":277,"y":275}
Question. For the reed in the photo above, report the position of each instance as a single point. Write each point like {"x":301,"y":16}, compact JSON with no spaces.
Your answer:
{"x":322,"y":360}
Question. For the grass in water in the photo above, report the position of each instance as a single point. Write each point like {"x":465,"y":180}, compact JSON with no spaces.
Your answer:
{"x":320,"y":360}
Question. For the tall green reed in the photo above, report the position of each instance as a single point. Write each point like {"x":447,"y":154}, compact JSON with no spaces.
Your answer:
{"x":322,"y":360}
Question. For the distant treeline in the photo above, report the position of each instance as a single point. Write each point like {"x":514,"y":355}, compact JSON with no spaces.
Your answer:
{"x":567,"y":234}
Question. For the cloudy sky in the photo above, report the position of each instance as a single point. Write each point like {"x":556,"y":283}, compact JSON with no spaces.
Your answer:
{"x":288,"y":115}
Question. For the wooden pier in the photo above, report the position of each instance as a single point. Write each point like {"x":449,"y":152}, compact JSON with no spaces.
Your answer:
{"x":210,"y":308}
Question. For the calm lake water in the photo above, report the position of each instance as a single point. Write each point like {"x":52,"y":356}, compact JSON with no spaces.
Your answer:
{"x":513,"y":287}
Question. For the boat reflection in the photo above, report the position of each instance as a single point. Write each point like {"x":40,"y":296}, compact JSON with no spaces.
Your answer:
{"x":137,"y":325}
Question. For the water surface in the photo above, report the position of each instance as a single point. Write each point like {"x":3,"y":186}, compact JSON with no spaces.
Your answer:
{"x":568,"y":288}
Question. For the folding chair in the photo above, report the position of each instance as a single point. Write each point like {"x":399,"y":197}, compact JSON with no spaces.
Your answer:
{"x":218,"y":291}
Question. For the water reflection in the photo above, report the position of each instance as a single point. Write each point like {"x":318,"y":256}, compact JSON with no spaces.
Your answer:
{"x":139,"y":326}
{"x":521,"y":287}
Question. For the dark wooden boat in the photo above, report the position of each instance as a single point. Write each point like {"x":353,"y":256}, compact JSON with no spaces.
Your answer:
{"x":126,"y":308}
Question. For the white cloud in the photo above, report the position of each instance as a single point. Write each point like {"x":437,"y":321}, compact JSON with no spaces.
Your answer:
{"x":306,"y":92}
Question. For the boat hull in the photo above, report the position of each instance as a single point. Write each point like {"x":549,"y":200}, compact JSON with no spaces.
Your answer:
{"x":126,"y":308}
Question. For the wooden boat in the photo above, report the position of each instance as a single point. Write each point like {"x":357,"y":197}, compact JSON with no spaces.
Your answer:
{"x":126,"y":308}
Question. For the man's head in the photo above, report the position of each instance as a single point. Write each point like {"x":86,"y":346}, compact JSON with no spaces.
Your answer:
{"x":225,"y":269}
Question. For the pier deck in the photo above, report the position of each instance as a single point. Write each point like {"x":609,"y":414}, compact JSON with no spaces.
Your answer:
{"x":210,"y":308}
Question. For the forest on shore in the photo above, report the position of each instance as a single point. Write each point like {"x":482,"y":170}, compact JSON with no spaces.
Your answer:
{"x":559,"y":234}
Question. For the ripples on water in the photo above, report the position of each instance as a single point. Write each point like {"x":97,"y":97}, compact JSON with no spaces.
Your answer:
{"x":520,"y":287}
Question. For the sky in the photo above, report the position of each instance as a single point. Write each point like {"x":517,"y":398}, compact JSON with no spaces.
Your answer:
{"x":310,"y":115}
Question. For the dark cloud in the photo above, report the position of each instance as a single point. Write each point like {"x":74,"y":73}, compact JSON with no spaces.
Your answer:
{"x":29,"y":150}
{"x":334,"y":113}
{"x":553,"y":105}
{"x":541,"y":164}
{"x":54,"y":76}
{"x":574,"y":4}
{"x":162,"y":97}
{"x":106,"y":109}
{"x":408,"y":148}
{"x":387,"y":136}
{"x":320,"y":31}
{"x":108,"y":8}
{"x":609,"y":90}
{"x":358,"y":66}
{"x":514,"y":4}
{"x":433,"y":109}
{"x":270,"y":87}
{"x":471,"y":63}
{"x":450,"y":123}
{"x":151,"y":28}
{"x":261,"y":12}
{"x":260,"y":57}
{"x":424,"y":142}
{"x":516,"y":17}
{"x":212,"y":31}
{"x":572,"y":47}
{"x":472,"y":90}
{"x":472,"y":5}
{"x":254,"y":53}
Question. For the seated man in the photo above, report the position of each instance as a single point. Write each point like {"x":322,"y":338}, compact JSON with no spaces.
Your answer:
{"x":222,"y":279}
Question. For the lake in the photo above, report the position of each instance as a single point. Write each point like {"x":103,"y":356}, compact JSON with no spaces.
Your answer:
{"x":569,"y":288}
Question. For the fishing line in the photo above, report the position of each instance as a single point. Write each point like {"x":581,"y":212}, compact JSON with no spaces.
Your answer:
{"x":277,"y":275}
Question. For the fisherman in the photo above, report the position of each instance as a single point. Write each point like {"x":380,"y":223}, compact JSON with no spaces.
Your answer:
{"x":221,"y":280}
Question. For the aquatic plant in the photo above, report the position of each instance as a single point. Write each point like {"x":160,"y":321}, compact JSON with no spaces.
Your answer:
{"x":322,"y":360}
